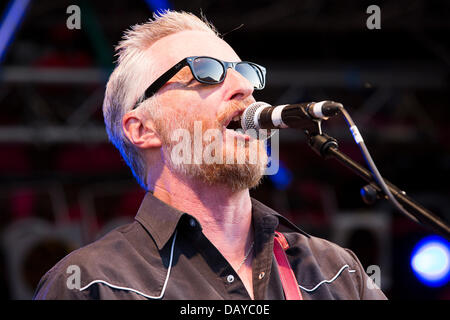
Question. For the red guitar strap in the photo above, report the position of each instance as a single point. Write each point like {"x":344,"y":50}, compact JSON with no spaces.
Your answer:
{"x":288,"y":280}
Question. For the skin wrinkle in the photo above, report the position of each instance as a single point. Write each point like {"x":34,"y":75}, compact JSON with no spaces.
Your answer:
{"x":185,"y":80}
{"x":184,"y":77}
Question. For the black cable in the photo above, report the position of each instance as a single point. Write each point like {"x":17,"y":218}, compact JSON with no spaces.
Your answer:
{"x":371,"y":164}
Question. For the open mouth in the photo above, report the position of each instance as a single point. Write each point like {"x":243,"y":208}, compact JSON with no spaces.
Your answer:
{"x":234,"y":122}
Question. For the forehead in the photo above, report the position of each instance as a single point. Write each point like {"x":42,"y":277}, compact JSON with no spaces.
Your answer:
{"x":171,"y":49}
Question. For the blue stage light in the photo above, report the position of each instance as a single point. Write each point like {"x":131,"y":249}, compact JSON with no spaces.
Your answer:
{"x":158,"y":5}
{"x":283,"y":178}
{"x":9,"y":23}
{"x":430,"y":261}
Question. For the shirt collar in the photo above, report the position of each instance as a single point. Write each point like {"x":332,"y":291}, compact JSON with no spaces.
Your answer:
{"x":161,"y":219}
{"x":259,"y":209}
{"x":158,"y":218}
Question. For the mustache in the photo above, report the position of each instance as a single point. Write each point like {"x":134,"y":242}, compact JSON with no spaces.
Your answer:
{"x":231,"y":108}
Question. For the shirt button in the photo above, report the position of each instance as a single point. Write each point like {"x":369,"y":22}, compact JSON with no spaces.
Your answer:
{"x":192,"y":223}
{"x":261,"y":275}
{"x":230,"y":278}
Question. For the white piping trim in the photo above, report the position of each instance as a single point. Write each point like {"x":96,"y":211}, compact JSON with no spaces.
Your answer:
{"x":136,"y":291}
{"x":328,"y":281}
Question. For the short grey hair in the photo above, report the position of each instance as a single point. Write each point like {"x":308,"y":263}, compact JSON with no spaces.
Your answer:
{"x":128,"y":81}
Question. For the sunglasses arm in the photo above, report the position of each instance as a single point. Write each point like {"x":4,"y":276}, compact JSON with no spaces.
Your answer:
{"x":155,"y":86}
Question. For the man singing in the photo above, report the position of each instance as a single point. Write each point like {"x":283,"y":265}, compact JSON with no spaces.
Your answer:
{"x":197,"y":234}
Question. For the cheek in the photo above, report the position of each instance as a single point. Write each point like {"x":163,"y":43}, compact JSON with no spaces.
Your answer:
{"x":212,"y":107}
{"x":204,"y":103}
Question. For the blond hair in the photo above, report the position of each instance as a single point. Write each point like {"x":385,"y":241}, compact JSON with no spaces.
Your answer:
{"x":128,"y":81}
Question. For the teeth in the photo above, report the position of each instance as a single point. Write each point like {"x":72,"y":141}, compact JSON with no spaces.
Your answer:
{"x":236,"y":118}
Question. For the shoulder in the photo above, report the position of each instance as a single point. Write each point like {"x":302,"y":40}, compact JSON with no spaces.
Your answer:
{"x":311,"y":250}
{"x":98,"y":260}
{"x":326,"y":270}
{"x":318,"y":247}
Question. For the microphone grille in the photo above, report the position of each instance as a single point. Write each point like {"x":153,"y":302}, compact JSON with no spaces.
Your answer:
{"x":248,"y":116}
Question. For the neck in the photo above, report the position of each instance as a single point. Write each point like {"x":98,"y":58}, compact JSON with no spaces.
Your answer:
{"x":225,"y":216}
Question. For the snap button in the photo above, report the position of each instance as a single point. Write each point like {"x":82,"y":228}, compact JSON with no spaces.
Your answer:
{"x":230,"y":278}
{"x":261,"y":275}
{"x":192,"y":223}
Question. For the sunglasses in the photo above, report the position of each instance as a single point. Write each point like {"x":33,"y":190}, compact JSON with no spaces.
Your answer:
{"x":209,"y":70}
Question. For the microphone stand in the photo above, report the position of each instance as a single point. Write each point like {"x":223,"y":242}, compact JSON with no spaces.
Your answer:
{"x":327,"y":147}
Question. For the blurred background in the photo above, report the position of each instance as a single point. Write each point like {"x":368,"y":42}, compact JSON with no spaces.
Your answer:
{"x":63,"y":185}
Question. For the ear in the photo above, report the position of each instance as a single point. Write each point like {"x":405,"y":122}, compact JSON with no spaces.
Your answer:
{"x":141,"y":134}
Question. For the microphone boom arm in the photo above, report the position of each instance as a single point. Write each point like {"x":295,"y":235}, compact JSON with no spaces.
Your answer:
{"x":327,"y":147}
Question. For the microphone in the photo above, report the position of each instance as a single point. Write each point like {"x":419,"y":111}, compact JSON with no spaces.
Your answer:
{"x":261,"y":115}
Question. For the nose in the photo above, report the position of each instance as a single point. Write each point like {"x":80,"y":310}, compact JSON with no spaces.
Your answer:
{"x":237,"y":86}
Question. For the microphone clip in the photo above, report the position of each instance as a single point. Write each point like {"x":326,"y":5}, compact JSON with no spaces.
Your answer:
{"x":320,"y":143}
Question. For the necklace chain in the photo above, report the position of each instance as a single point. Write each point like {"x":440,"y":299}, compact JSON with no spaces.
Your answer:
{"x":246,"y":256}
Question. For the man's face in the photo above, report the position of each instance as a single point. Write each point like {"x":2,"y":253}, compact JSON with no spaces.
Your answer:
{"x":203,"y":111}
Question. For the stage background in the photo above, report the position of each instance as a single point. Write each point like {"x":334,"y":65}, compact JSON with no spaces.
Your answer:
{"x":63,"y":185}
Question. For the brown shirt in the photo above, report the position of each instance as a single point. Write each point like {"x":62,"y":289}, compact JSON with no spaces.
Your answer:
{"x":163,"y":254}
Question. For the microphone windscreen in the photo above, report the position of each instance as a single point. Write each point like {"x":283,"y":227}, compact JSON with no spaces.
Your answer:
{"x":248,"y":120}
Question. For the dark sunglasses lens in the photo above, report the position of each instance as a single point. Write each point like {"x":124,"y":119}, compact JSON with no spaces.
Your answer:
{"x":252,"y":74}
{"x":208,"y":70}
